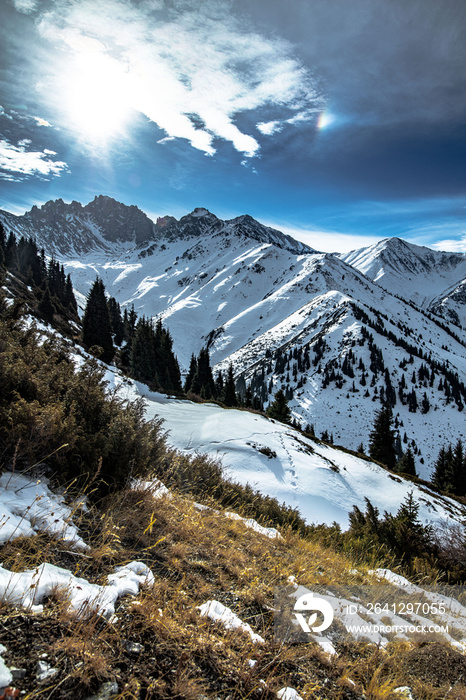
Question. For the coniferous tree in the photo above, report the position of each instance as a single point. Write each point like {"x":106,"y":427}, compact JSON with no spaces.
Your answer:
{"x":151,"y":358}
{"x":203,"y":382}
{"x":116,"y":320}
{"x":440,"y":469}
{"x":407,"y":464}
{"x":382,"y":439}
{"x":11,"y":253}
{"x":168,"y":375}
{"x":2,"y":244}
{"x":279,"y":409}
{"x":458,"y":469}
{"x":248,"y":397}
{"x":97,"y":329}
{"x":219,"y":386}
{"x":191,"y":373}
{"x":46,"y":306}
{"x":229,"y":395}
{"x":143,"y":352}
{"x":69,"y":298}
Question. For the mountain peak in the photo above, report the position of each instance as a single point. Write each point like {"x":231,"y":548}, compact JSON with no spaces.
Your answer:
{"x":201,"y":211}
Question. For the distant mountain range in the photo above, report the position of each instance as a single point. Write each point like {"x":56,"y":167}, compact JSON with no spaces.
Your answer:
{"x":337,"y":333}
{"x":432,"y":279}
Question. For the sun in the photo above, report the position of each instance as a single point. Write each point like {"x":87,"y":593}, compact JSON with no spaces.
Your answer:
{"x":97,"y":96}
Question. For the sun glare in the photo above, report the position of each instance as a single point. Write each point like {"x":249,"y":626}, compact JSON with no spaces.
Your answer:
{"x":97,"y":97}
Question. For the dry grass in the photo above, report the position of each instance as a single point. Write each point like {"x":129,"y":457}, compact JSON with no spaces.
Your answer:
{"x":195,"y":556}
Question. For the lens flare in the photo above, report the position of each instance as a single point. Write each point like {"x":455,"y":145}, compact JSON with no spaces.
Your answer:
{"x":324,"y":120}
{"x":97,"y":96}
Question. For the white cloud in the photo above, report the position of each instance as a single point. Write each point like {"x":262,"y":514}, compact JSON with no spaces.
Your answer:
{"x":16,"y":162}
{"x":41,"y":122}
{"x":327,"y":241}
{"x":269,"y":128}
{"x":451,"y":245}
{"x":26,"y":6}
{"x":191,"y":68}
{"x":4,"y":114}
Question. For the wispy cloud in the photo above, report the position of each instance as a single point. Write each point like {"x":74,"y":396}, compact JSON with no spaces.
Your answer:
{"x":452,"y":245}
{"x":326,"y":241}
{"x":192,"y":68}
{"x":17,"y":163}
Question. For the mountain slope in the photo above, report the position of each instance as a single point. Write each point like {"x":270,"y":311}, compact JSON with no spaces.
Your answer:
{"x":322,"y":482}
{"x":288,"y":317}
{"x":65,"y":229}
{"x":431,"y":279}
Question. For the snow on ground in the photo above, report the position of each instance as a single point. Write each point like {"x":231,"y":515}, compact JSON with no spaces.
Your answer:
{"x":322,"y":482}
{"x":377,"y":613}
{"x":252,"y":524}
{"x":27,"y":506}
{"x":288,"y":694}
{"x":5,"y":674}
{"x":217,"y":612}
{"x":30,"y":587}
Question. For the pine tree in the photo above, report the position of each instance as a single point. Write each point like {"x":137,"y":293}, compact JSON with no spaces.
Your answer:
{"x":382,"y":439}
{"x":168,"y":374}
{"x":458,"y":465}
{"x":248,"y":398}
{"x":2,"y":244}
{"x":229,"y":393}
{"x":11,"y":253}
{"x":279,"y":409}
{"x":46,"y":306}
{"x":97,"y":329}
{"x":116,"y":320}
{"x":407,"y":465}
{"x":203,"y":382}
{"x":143,"y":355}
{"x":191,"y":374}
{"x":69,"y":298}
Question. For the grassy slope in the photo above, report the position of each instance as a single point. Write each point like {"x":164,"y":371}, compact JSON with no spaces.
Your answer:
{"x":196,"y":556}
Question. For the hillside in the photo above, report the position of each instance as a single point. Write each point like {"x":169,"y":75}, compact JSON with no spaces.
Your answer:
{"x":286,"y":316}
{"x":174,"y":600}
{"x":133,"y":570}
{"x":321,"y":481}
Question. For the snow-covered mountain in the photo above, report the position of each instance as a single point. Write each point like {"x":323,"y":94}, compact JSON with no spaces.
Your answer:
{"x":72,"y":229}
{"x":284,"y":315}
{"x":431,"y":279}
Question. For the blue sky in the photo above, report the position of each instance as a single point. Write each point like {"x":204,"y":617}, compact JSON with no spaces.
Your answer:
{"x":338,"y":121}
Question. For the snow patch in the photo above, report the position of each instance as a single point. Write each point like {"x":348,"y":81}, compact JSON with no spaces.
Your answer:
{"x":27,"y":506}
{"x":30,"y":587}
{"x":218,"y":612}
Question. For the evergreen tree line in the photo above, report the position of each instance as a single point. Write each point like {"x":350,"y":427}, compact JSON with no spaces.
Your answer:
{"x":385,"y":444}
{"x":450,"y":469}
{"x":453,"y":388}
{"x":449,"y":472}
{"x":53,"y":289}
{"x":146,"y":348}
{"x":402,"y":534}
{"x":200,"y":381}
